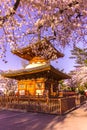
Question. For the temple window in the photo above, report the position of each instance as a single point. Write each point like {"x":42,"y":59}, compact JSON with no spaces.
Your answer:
{"x":39,"y":85}
{"x":22,"y":92}
{"x":22,"y":86}
{"x":39,"y":88}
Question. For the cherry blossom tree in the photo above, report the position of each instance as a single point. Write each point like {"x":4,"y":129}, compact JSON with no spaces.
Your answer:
{"x":78,"y":78}
{"x":8,"y":85}
{"x":63,"y":22}
{"x":79,"y":75}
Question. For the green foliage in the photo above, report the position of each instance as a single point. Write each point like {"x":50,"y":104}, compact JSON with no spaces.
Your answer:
{"x":65,"y":86}
{"x":85,"y":85}
{"x":85,"y":61}
{"x":81,"y":89}
{"x":80,"y":55}
{"x":73,"y":89}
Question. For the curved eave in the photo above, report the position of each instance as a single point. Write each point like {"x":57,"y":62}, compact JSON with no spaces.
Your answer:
{"x":29,"y":52}
{"x":37,"y":70}
{"x":59,"y":73}
{"x":30,"y":55}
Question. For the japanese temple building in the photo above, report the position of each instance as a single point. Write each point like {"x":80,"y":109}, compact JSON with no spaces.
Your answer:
{"x":39,"y":76}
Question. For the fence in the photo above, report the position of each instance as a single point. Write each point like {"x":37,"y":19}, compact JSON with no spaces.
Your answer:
{"x":80,"y":100}
{"x":40,"y":104}
{"x":34,"y":104}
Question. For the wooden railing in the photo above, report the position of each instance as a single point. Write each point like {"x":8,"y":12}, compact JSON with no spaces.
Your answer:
{"x":40,"y":104}
{"x":80,"y":99}
{"x":35,"y":104}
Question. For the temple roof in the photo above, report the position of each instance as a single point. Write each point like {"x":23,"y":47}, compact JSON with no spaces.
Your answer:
{"x":46,"y":70}
{"x":41,"y":49}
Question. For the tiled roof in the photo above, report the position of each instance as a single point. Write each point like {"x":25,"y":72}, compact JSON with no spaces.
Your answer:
{"x":42,"y":49}
{"x":44,"y":70}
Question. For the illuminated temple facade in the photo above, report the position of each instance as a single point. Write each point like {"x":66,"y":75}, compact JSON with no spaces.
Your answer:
{"x":39,"y":77}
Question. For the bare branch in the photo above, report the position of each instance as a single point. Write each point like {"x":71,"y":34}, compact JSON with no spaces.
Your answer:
{"x":15,"y":6}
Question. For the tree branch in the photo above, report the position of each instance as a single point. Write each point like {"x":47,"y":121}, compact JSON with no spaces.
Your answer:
{"x":15,"y":6}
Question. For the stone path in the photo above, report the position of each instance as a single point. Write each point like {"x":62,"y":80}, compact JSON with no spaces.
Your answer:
{"x":14,"y":120}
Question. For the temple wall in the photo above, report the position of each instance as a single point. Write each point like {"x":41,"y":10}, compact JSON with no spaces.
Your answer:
{"x":39,"y":86}
{"x":32,"y":87}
